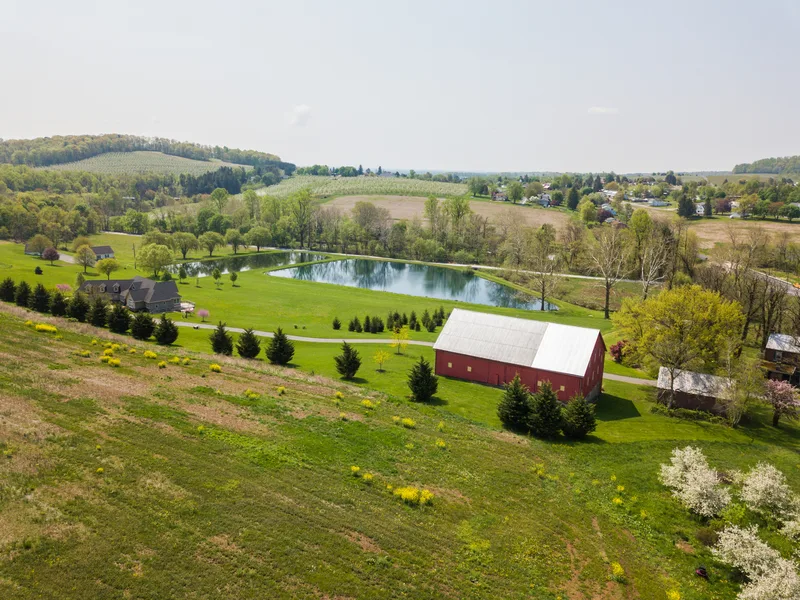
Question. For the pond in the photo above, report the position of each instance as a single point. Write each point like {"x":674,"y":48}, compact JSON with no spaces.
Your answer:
{"x":414,"y":280}
{"x":228,"y":264}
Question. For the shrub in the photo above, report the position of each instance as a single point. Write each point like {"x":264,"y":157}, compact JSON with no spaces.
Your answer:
{"x":40,"y":299}
{"x":23,"y":294}
{"x":45,"y":328}
{"x":281,"y":390}
{"x":83,"y":353}
{"x":98,"y":312}
{"x":162,"y":364}
{"x":78,"y":307}
{"x":348,"y":362}
{"x":338,"y":395}
{"x":105,"y":358}
{"x":441,"y":444}
{"x":741,"y":548}
{"x":337,"y":324}
{"x":579,"y":419}
{"x":707,"y":536}
{"x":114,"y":362}
{"x":764,"y":490}
{"x":132,"y":351}
{"x":166,"y":332}
{"x":421,"y":381}
{"x":545,"y":416}
{"x":108,"y":352}
{"x":119,"y":319}
{"x":354,"y":470}
{"x":617,"y":572}
{"x":50,"y":254}
{"x":515,"y":405}
{"x":186,"y":361}
{"x":408,"y":423}
{"x":694,"y":483}
{"x":38,"y":270}
{"x":215,"y":368}
{"x":8,"y":290}
{"x":58,"y":304}
{"x":175,"y":360}
{"x":280,"y":350}
{"x":248,"y":345}
{"x":221,"y":340}
{"x":142,"y":326}
{"x":149,"y":354}
{"x":414,"y":496}
{"x":367,"y":477}
{"x":617,"y":350}
{"x":368,"y":404}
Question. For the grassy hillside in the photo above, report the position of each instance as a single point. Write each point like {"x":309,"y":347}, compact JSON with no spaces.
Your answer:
{"x":143,"y":162}
{"x":327,"y":186}
{"x":151,"y":483}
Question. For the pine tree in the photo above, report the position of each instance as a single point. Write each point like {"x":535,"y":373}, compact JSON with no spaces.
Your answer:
{"x":98,"y":312}
{"x":58,"y":304}
{"x":348,"y":362}
{"x":417,"y":327}
{"x":367,"y":324}
{"x":248,"y":345}
{"x":337,"y":324}
{"x":439,"y":317}
{"x":515,"y":406}
{"x":77,"y":307}
{"x":412,"y":321}
{"x":119,"y":319}
{"x":351,"y":326}
{"x":142,"y":326}
{"x":421,"y":381}
{"x":8,"y":290}
{"x":373,"y":325}
{"x":380,"y":326}
{"x":431,"y":326}
{"x":389,"y":321}
{"x":280,"y":350}
{"x":23,"y":295}
{"x":166,"y":331}
{"x":573,"y":198}
{"x":579,"y":419}
{"x":40,"y":299}
{"x":221,"y":340}
{"x":426,"y":318}
{"x":404,"y":319}
{"x":545,"y":419}
{"x":357,"y":325}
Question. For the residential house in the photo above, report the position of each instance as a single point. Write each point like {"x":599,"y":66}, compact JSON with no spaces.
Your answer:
{"x":654,"y":202}
{"x":700,"y":210}
{"x":782,"y":357}
{"x":30,"y":252}
{"x":139,"y":293}
{"x":544,"y":200}
{"x":695,"y":391}
{"x":101,"y":252}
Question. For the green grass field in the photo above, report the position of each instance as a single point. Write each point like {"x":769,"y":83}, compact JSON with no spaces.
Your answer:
{"x":152,"y":483}
{"x":349,"y":186}
{"x":142,"y":161}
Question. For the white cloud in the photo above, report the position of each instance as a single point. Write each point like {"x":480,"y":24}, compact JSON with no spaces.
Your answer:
{"x":299,"y":116}
{"x":603,"y":110}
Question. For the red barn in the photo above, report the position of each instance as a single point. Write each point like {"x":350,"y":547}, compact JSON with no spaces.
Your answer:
{"x":493,"y":348}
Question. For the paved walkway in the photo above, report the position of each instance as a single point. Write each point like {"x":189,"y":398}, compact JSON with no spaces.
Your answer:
{"x":300,"y":338}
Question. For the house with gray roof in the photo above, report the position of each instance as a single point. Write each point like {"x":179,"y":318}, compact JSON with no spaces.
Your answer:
{"x":139,"y":293}
{"x":695,"y":391}
{"x":101,"y":252}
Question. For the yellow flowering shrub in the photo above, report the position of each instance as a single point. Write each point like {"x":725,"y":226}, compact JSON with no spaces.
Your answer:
{"x":114,"y":362}
{"x":186,"y":361}
{"x":45,"y":328}
{"x":100,"y":470}
{"x":175,"y":360}
{"x":115,"y":347}
{"x":215,"y":368}
{"x":132,"y":351}
{"x":441,"y":444}
{"x":162,"y":364}
{"x":440,"y":426}
{"x":617,"y":501}
{"x":149,"y":354}
{"x":620,"y":488}
{"x":673,"y":595}
{"x":395,"y":419}
{"x":281,"y":390}
{"x":354,"y":470}
{"x":83,"y":353}
{"x":105,"y":358}
{"x":94,"y":342}
{"x":414,"y":496}
{"x":338,"y":395}
{"x":28,"y":323}
{"x":251,"y":395}
{"x":367,"y":477}
{"x":368,"y":404}
{"x":613,"y":478}
{"x":408,"y":423}
{"x":108,"y":352}
{"x":343,"y":416}
{"x":617,"y":572}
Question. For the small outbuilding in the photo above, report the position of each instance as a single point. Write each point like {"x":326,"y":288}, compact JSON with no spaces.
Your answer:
{"x":101,"y":252}
{"x":695,"y":391}
{"x":492,"y":349}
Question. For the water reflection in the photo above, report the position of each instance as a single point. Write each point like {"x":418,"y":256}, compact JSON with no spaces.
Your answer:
{"x":245,"y":263}
{"x":414,"y":280}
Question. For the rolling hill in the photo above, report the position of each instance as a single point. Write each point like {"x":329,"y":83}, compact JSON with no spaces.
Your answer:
{"x":142,"y":161}
{"x":363,"y":185}
{"x":785,"y":165}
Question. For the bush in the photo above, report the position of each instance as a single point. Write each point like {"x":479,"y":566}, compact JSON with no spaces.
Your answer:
{"x":215,"y":368}
{"x":98,"y":313}
{"x":515,"y":406}
{"x":38,"y":271}
{"x":248,"y":345}
{"x":707,"y":536}
{"x":162,"y":364}
{"x":545,"y":416}
{"x":408,"y":423}
{"x":8,"y":290}
{"x":579,"y":419}
{"x":337,"y":324}
{"x":114,"y":362}
{"x":166,"y":332}
{"x":694,"y":483}
{"x":221,"y":341}
{"x":280,"y":350}
{"x":149,"y":354}
{"x":688,"y":414}
{"x":617,"y":350}
{"x":45,"y":328}
{"x":421,"y":381}
{"x":119,"y":319}
{"x":78,"y":307}
{"x":348,"y":362}
{"x":58,"y":304}
{"x":142,"y":326}
{"x":23,"y":294}
{"x":40,"y":299}
{"x":765,"y":491}
{"x":414,"y":496}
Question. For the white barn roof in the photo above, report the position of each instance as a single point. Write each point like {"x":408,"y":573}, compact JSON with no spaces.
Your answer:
{"x":700,"y":384}
{"x":784,"y":343}
{"x":537,"y":344}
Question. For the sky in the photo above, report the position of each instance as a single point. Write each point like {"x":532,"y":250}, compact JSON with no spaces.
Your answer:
{"x":629,"y":86}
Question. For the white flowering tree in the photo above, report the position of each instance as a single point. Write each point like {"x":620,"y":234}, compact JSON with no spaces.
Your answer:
{"x":764,"y":490}
{"x":781,"y":583}
{"x":694,"y":483}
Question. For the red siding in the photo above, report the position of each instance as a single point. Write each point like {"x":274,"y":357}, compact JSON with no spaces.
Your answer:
{"x":461,"y":366}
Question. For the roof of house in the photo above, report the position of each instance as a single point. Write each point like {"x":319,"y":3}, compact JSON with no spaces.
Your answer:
{"x":140,"y":289}
{"x":689,"y":382}
{"x":102,"y":250}
{"x":537,"y":344}
{"x":783,"y":342}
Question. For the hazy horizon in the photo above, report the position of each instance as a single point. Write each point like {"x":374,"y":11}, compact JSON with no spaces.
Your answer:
{"x":443,"y":86}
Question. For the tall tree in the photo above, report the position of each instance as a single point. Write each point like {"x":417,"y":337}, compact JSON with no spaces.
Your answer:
{"x":234,"y":238}
{"x":515,"y":405}
{"x":573,"y":198}
{"x":221,"y":340}
{"x":421,"y":381}
{"x":515,"y":191}
{"x":166,"y":332}
{"x":544,"y":263}
{"x":280,"y":350}
{"x":348,"y":362}
{"x":184,"y":241}
{"x":545,"y":419}
{"x":154,"y":257}
{"x":609,"y":257}
{"x":301,"y":206}
{"x":107,"y":266}
{"x":211,"y":240}
{"x":248,"y":344}
{"x":85,"y":257}
{"x":219,"y":197}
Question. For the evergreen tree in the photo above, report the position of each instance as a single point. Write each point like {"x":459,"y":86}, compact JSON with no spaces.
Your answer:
{"x":182,"y":273}
{"x":416,"y":327}
{"x":412,"y":321}
{"x":98,"y":312}
{"x":579,"y":419}
{"x":439,"y":316}
{"x":426,"y":318}
{"x":23,"y":295}
{"x":707,"y":208}
{"x":404,"y":319}
{"x":280,"y":350}
{"x":8,"y":290}
{"x":431,"y":325}
{"x":40,"y":299}
{"x":351,"y":326}
{"x":248,"y":345}
{"x":380,"y":327}
{"x":166,"y":332}
{"x":348,"y":362}
{"x":221,"y":340}
{"x":337,"y":324}
{"x":514,"y":409}
{"x":58,"y":304}
{"x":390,"y":321}
{"x":373,"y":325}
{"x":545,"y":418}
{"x":573,"y":199}
{"x":119,"y":319}
{"x":77,"y":307}
{"x":421,"y":381}
{"x":367,"y":324}
{"x":142,"y":326}
{"x":357,"y":325}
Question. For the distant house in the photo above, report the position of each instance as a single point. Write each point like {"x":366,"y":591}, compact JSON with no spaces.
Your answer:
{"x":31,"y":252}
{"x":544,"y":200}
{"x":139,"y":293}
{"x":500,"y":197}
{"x":101,"y":252}
{"x":782,"y":357}
{"x":607,"y":207}
{"x":700,"y":210}
{"x":695,"y":391}
{"x":655,"y":202}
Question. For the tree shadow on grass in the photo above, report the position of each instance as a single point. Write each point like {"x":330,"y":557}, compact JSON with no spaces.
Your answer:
{"x":434,"y":401}
{"x":615,"y":408}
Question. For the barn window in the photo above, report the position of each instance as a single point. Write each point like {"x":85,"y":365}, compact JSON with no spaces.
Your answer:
{"x":469,"y":369}
{"x":449,"y":365}
{"x":561,"y":389}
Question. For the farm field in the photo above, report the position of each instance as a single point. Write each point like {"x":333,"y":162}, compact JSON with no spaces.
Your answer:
{"x":254,"y":496}
{"x":143,"y":162}
{"x":720,"y":179}
{"x":715,"y":231}
{"x":343,"y":186}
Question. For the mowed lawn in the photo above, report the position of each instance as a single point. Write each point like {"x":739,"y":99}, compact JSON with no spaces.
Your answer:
{"x":151,"y":483}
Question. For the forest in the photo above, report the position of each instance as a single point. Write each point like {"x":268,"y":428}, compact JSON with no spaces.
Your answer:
{"x":780,"y":166}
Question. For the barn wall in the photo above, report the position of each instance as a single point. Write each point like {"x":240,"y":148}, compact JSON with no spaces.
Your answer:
{"x":593,"y":380}
{"x":692,"y":402}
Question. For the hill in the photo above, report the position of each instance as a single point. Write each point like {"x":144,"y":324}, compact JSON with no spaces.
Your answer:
{"x":143,"y":161}
{"x":363,"y":185}
{"x":779,"y":166}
